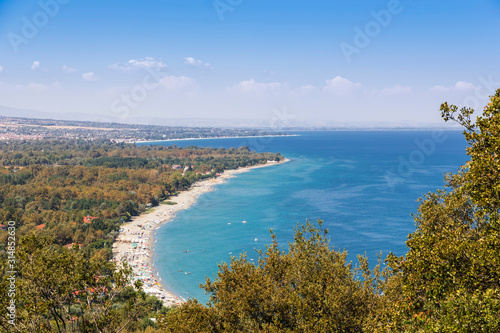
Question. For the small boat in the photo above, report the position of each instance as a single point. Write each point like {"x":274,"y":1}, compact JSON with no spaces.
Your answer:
{"x":256,"y":239}
{"x":244,"y":222}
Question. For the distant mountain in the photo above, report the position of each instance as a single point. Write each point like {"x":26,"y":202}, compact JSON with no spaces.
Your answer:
{"x":185,"y":122}
{"x":24,"y":113}
{"x":6,"y":111}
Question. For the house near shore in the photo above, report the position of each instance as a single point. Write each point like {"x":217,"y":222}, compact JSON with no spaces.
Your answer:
{"x":88,"y":219}
{"x":70,"y":246}
{"x":40,"y":226}
{"x":3,"y":227}
{"x":100,"y":291}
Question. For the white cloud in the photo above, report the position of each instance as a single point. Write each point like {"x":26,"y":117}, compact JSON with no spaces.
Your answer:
{"x":90,"y":76}
{"x":459,"y":86}
{"x":31,"y":87}
{"x":37,"y":67}
{"x":196,"y":63}
{"x":439,"y":89}
{"x":340,"y":85}
{"x":118,"y":67}
{"x":177,"y":82}
{"x":397,"y":89}
{"x":251,"y":86}
{"x":1,"y":69}
{"x":134,"y":64}
{"x":42,"y":87}
{"x":269,"y":72}
{"x":68,"y":69}
{"x":462,"y":85}
{"x":307,"y":89}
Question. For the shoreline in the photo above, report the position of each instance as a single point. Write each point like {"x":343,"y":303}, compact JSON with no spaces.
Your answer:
{"x":218,"y":137}
{"x":134,"y":243}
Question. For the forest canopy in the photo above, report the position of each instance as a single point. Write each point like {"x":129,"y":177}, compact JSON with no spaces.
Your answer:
{"x":48,"y":187}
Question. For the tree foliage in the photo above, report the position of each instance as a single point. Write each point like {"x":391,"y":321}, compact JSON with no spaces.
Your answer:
{"x":450,"y":276}
{"x":309,"y":288}
{"x":52,"y":185}
{"x":56,"y":183}
{"x":63,"y":290}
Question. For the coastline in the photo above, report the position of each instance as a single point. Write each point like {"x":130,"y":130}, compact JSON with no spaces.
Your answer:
{"x":135,"y":241}
{"x":218,"y":137}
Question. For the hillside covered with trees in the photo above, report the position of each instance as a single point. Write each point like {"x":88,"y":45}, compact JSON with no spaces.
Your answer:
{"x":53,"y":185}
{"x":48,"y":187}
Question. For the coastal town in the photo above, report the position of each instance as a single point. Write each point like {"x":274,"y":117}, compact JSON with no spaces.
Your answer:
{"x":14,"y":128}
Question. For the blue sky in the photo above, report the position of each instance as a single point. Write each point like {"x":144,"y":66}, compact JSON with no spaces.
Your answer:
{"x":323,"y":61}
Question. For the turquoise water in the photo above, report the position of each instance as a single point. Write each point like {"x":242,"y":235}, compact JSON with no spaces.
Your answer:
{"x":364,"y":185}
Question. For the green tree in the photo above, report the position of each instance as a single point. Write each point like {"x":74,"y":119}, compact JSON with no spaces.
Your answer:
{"x":482,"y":177}
{"x":310,"y":288}
{"x":61,"y":290}
{"x":450,"y":277}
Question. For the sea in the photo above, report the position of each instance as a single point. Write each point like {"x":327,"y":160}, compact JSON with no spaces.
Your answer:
{"x":364,"y":185}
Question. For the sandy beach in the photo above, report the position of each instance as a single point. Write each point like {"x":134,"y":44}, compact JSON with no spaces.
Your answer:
{"x":134,"y":242}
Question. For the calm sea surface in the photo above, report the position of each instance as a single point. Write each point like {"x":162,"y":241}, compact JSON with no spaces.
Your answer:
{"x":364,"y":185}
